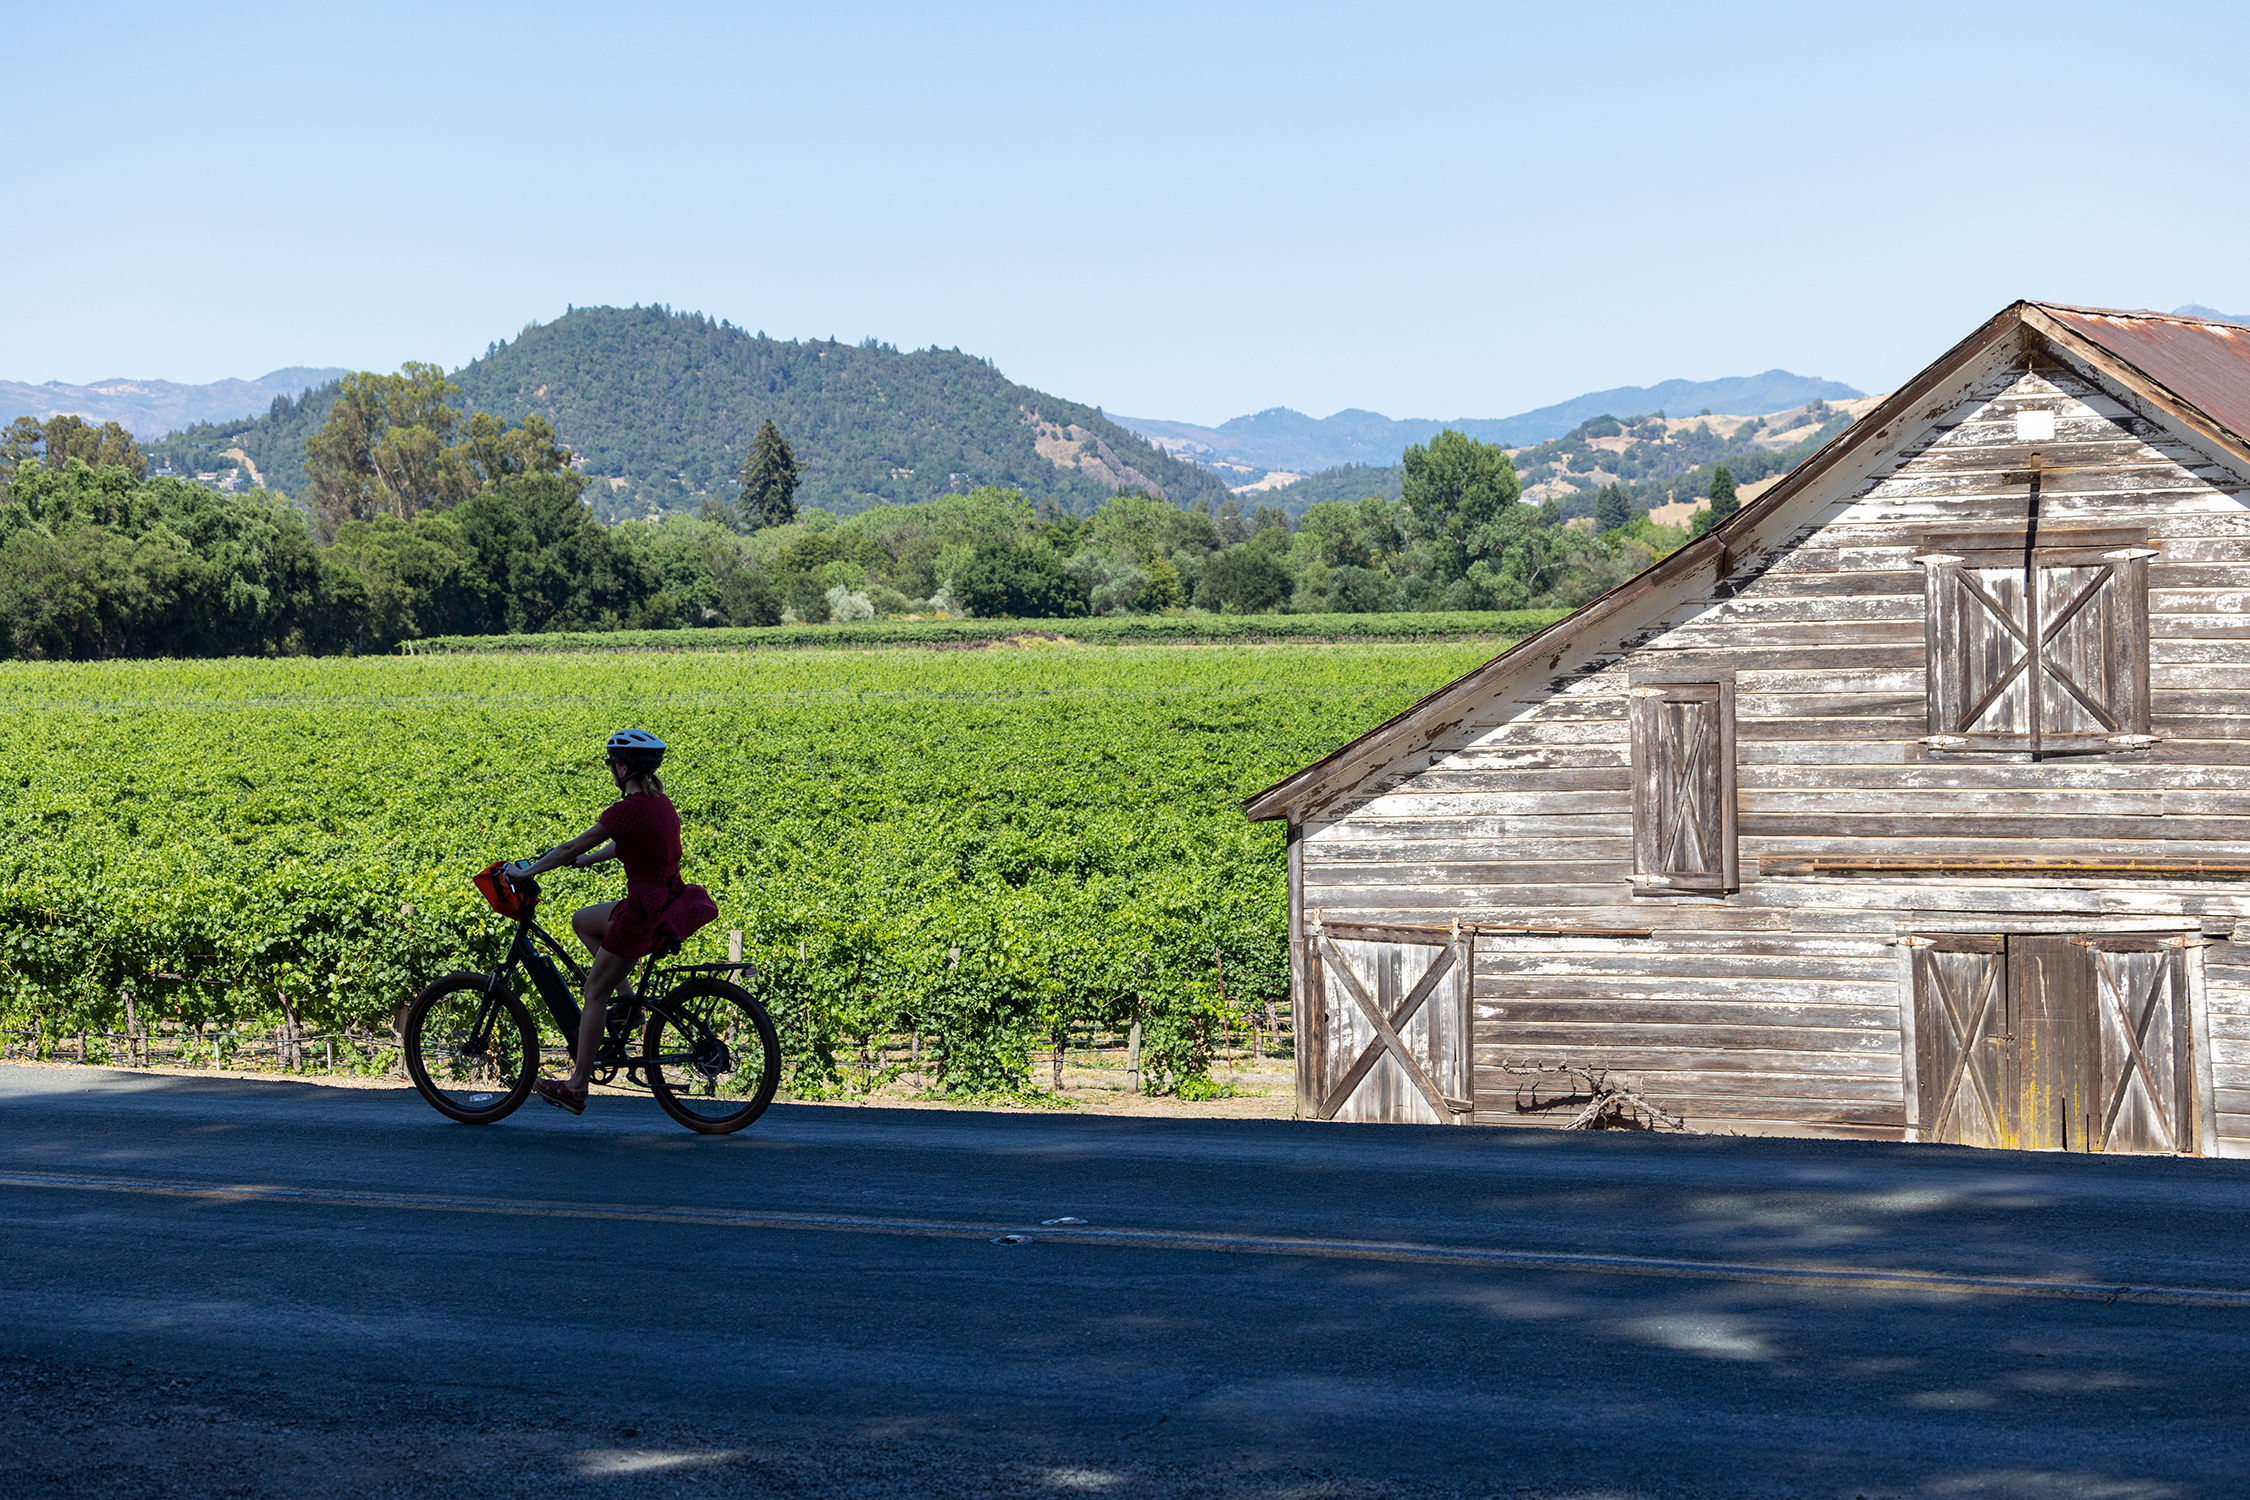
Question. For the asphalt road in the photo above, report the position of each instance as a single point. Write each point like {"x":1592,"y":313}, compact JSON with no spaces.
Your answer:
{"x":272,"y":1289}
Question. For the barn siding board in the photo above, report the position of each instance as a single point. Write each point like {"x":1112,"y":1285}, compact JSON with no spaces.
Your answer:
{"x":1715,"y":1101}
{"x":1779,"y":1007}
{"x":2231,"y":1070}
{"x":1661,"y":962}
{"x":1770,"y":989}
{"x":1528,"y":1006}
{"x":2219,"y":833}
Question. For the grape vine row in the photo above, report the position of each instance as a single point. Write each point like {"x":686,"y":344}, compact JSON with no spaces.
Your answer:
{"x":984,"y":848}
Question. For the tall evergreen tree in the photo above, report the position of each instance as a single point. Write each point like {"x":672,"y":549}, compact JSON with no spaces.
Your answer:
{"x":1723,"y":501}
{"x":769,"y":480}
{"x":1612,"y":509}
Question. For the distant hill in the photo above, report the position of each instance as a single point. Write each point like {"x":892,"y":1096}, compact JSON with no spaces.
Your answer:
{"x":1656,"y":458}
{"x":1346,"y":482}
{"x":149,"y":408}
{"x":1247,"y":448}
{"x":664,"y":406}
{"x":2195,"y":310}
{"x":270,"y":446}
{"x":661,"y":407}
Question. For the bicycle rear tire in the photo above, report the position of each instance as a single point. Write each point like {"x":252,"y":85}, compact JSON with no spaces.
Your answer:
{"x":711,"y":1056}
{"x":459,"y":1077}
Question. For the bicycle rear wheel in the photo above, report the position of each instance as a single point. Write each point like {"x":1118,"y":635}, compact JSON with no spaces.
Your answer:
{"x":711,"y":1056}
{"x":473,"y":1054}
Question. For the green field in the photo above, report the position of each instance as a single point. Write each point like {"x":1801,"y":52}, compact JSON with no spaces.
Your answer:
{"x":238,"y":839}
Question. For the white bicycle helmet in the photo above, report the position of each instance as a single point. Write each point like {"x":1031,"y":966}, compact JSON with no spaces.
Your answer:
{"x":637,"y":748}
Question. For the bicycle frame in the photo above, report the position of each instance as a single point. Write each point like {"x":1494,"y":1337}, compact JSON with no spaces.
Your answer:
{"x":649,"y":991}
{"x":521,"y":949}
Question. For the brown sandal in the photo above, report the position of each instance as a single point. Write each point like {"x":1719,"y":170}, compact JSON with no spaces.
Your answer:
{"x":561,"y":1095}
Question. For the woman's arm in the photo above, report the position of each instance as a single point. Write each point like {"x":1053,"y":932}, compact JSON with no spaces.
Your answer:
{"x":602,"y":855}
{"x":567,"y":853}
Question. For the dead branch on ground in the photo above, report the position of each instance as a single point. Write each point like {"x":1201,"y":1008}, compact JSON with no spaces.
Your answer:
{"x":1602,"y":1105}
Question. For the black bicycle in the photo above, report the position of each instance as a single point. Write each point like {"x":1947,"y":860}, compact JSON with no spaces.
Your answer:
{"x":707,"y":1050}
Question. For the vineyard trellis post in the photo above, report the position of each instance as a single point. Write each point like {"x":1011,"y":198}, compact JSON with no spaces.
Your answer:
{"x":286,"y":1036}
{"x":1219,"y":961}
{"x":1133,"y":1037}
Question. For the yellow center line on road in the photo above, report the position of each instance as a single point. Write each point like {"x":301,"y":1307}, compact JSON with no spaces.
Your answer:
{"x":1839,"y":1278}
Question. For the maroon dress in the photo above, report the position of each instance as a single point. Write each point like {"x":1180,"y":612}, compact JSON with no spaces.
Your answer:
{"x":657,"y":904}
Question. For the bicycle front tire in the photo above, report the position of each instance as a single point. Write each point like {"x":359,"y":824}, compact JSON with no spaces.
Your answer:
{"x":711,"y":1056}
{"x":463,"y":1076}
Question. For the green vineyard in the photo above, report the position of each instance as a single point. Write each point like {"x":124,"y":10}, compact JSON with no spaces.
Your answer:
{"x":1492,"y":626}
{"x":982,"y":848}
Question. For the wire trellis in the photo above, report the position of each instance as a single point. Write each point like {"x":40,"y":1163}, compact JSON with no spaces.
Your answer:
{"x":216,"y":1048}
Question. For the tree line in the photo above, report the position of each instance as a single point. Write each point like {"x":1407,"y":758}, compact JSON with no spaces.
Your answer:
{"x":418,"y":520}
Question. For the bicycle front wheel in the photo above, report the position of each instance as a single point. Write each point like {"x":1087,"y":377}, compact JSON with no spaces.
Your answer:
{"x":471,"y":1051}
{"x":711,"y":1056}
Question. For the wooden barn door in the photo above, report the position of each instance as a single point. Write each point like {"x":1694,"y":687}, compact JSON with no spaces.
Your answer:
{"x":1960,"y":1015}
{"x":2048,"y":1054}
{"x":2145,"y":1099}
{"x":1390,"y":1020}
{"x":2061,"y":1043}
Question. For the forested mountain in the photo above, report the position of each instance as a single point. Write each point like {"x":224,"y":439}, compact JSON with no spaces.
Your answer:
{"x":1278,"y":438}
{"x":660,"y":408}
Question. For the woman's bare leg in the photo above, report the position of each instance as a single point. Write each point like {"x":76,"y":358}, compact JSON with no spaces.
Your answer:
{"x":591,"y":923}
{"x":607,"y":971}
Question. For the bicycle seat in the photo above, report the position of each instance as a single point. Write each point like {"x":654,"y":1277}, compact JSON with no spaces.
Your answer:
{"x":670,"y":949}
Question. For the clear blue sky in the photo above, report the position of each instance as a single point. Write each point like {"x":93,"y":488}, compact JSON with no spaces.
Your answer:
{"x":1187,"y":212}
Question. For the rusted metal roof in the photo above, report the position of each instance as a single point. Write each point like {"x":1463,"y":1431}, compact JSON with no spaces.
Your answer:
{"x":2202,"y":363}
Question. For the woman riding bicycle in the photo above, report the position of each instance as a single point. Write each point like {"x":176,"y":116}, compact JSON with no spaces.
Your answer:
{"x":642,"y":829}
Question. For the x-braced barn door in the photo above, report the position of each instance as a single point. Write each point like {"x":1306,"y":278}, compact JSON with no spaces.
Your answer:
{"x":2146,"y":1097}
{"x":1389,"y":1007}
{"x":2054,"y":1042}
{"x":1960,"y":1016}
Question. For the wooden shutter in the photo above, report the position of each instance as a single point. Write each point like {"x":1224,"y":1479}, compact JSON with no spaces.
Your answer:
{"x":1683,"y":785}
{"x":2093,"y":641}
{"x":1960,"y":1026}
{"x":2037,"y":641}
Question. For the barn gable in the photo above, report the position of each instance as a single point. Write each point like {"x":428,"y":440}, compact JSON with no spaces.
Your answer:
{"x":1975,"y":675}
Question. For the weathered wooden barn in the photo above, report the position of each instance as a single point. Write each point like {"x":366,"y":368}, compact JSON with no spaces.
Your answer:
{"x":1908,"y":804}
